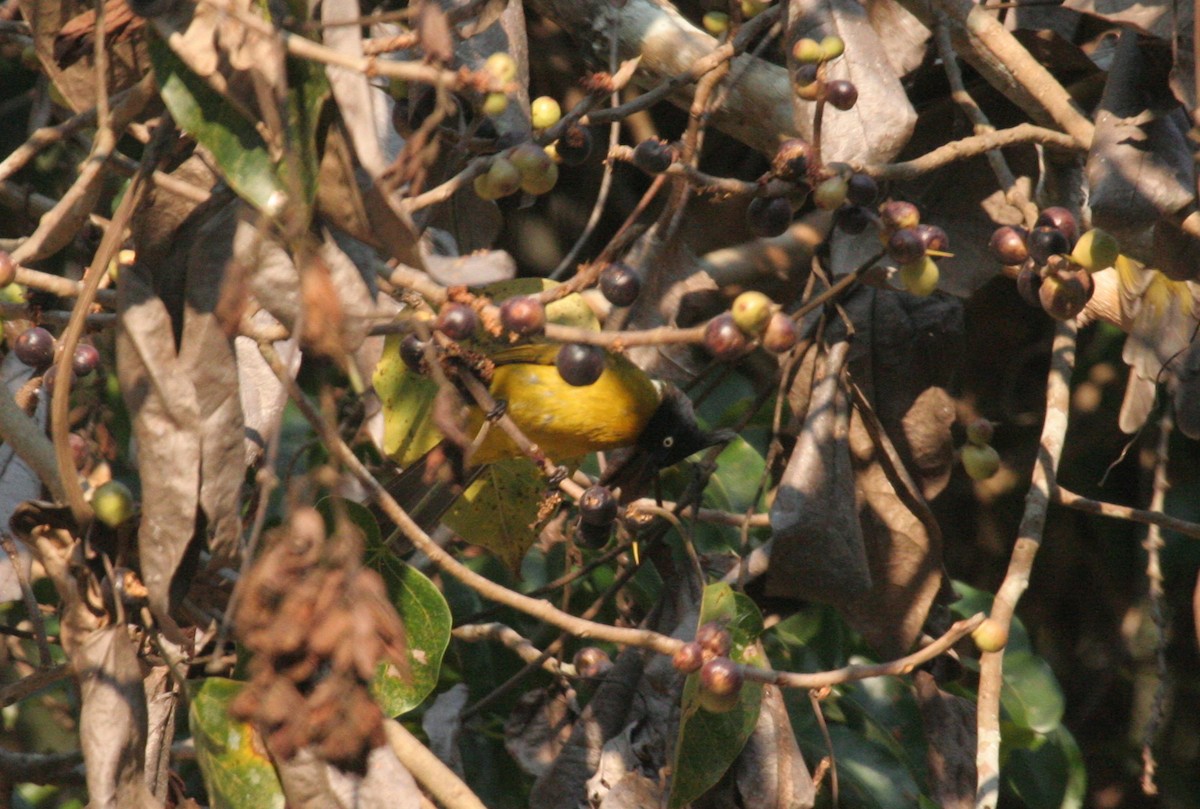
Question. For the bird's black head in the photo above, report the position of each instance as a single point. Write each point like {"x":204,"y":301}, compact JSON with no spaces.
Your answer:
{"x":672,"y":433}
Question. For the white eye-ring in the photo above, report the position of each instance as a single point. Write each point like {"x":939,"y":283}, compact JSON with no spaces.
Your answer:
{"x":669,"y":441}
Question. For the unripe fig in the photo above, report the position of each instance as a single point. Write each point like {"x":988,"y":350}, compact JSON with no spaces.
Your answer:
{"x":979,"y":432}
{"x":980,"y":462}
{"x":920,"y":277}
{"x":1096,"y":250}
{"x":112,"y":503}
{"x":720,"y":685}
{"x":751,"y":311}
{"x":688,"y":658}
{"x":990,"y":636}
{"x":781,"y":334}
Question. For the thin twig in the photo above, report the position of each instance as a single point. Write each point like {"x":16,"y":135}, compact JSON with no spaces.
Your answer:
{"x":1016,"y":580}
{"x":1153,"y":545}
{"x":966,"y":148}
{"x":1070,"y":499}
{"x":441,"y":781}
{"x":60,"y":403}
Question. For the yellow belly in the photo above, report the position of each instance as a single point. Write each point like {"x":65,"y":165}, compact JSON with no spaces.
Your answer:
{"x":567,"y":421}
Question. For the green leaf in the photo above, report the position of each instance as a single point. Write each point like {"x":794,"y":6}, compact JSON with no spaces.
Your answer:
{"x":710,"y":742}
{"x":232,"y":136}
{"x":972,"y":601}
{"x":871,"y":776}
{"x":235,"y":767}
{"x":1049,"y":774}
{"x":422,"y":607}
{"x":1031,"y":696}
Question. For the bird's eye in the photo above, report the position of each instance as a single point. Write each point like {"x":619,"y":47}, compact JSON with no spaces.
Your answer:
{"x":668,"y":442}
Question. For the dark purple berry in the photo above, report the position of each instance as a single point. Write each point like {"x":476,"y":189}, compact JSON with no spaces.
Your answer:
{"x":597,"y":506}
{"x":905,"y":246}
{"x":688,"y":658}
{"x":853,"y":219}
{"x":579,"y":364}
{"x":1029,"y":283}
{"x":723,"y":339}
{"x":653,"y":156}
{"x":575,"y":146}
{"x":1045,"y":241}
{"x":1063,"y":295}
{"x":934,"y":238}
{"x":620,"y":284}
{"x":768,"y":217}
{"x":412,"y":351}
{"x":593,"y":536}
{"x":1062,"y":220}
{"x":85,"y":360}
{"x":35,"y":347}
{"x":1008,"y":245}
{"x":523,"y":315}
{"x":841,"y":94}
{"x":457,"y":321}
{"x":51,"y":376}
{"x":861,"y":189}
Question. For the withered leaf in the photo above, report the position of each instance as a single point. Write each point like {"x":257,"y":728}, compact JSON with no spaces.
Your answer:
{"x":877,"y":127}
{"x":1140,"y":164}
{"x":75,"y":77}
{"x":112,"y":721}
{"x":818,"y":543}
{"x":950,"y":729}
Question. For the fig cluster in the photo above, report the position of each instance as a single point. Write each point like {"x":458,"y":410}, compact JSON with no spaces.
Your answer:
{"x":752,"y":317}
{"x":914,"y":246}
{"x":721,"y":679}
{"x":1055,"y":262}
{"x":979,"y":457}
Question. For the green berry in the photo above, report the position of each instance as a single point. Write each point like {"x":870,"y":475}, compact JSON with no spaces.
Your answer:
{"x":808,"y":51}
{"x":504,"y":177}
{"x":979,"y":432}
{"x":921,"y":276}
{"x":501,"y":66}
{"x":980,"y":462}
{"x":112,"y":503}
{"x":544,"y":112}
{"x":831,"y":193}
{"x":832,"y":47}
{"x":751,"y":312}
{"x":494,"y":104}
{"x":716,"y":22}
{"x":1096,"y":250}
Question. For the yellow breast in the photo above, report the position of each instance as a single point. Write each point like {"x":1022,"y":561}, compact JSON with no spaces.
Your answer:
{"x":568,"y":421}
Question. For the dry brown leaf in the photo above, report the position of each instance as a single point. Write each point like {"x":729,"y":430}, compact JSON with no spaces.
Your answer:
{"x":818,"y":549}
{"x":112,"y":720}
{"x":363,"y":109}
{"x":1140,"y":164}
{"x":76,"y":81}
{"x":950,"y":730}
{"x":879,"y":125}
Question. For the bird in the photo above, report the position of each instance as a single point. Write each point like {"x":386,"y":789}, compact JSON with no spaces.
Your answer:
{"x":623,"y":408}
